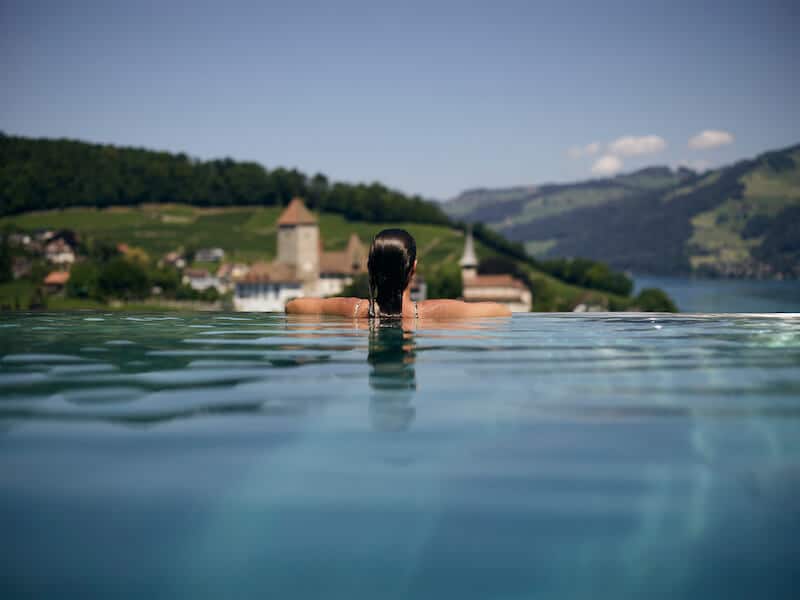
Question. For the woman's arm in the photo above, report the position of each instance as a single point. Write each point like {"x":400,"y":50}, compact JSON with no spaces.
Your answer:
{"x":458,"y":309}
{"x":322,"y":306}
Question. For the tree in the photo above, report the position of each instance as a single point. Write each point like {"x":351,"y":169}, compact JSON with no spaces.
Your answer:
{"x":210,"y":294}
{"x":167,"y":279}
{"x":138,"y":256}
{"x":83,"y":281}
{"x":654,"y":300}
{"x":101,"y":250}
{"x":6,"y":271}
{"x":120,"y":278}
{"x":445,"y":282}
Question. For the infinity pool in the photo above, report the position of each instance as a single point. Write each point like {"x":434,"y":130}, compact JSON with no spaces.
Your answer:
{"x":255,"y":456}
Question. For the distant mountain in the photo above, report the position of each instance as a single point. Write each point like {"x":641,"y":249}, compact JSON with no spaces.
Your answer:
{"x":738,"y":221}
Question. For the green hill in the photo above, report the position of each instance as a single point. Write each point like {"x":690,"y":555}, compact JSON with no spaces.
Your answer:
{"x":741,"y":221}
{"x":248,"y":234}
{"x":44,"y":174}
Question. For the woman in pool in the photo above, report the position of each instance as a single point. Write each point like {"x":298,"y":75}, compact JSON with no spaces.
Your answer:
{"x":392,"y":264}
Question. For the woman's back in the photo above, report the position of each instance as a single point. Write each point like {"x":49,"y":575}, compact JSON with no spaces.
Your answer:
{"x":391,"y":265}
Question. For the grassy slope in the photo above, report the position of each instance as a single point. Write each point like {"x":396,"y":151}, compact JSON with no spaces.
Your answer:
{"x":713,"y":237}
{"x":707,"y":224}
{"x":249,"y":234}
{"x":717,"y":234}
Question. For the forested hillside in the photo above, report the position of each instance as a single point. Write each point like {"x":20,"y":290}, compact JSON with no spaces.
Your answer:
{"x":38,"y":174}
{"x":740,"y":221}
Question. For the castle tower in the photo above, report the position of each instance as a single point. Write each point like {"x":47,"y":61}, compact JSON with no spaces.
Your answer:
{"x":298,"y":240}
{"x":468,"y":262}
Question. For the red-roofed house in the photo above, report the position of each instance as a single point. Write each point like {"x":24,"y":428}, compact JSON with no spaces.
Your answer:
{"x":56,"y":280}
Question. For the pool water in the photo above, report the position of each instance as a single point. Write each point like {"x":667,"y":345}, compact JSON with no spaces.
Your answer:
{"x":255,"y":456}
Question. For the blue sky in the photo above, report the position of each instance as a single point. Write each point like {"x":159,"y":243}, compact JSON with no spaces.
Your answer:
{"x":430,"y":97}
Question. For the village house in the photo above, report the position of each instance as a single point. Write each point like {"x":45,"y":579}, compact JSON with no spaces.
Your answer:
{"x":209,"y":255}
{"x":59,"y":252}
{"x":301,"y":268}
{"x":44,"y":235}
{"x":199,"y":279}
{"x":173,"y":259}
{"x":505,"y":289}
{"x":21,"y":266}
{"x":20,"y":240}
{"x":55,"y":281}
{"x":229,"y":273}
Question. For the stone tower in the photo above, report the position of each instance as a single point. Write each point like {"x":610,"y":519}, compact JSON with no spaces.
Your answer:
{"x":298,"y":240}
{"x":468,"y":262}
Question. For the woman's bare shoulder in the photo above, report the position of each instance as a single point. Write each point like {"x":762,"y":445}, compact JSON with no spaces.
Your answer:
{"x":325,"y":306}
{"x":456,"y":309}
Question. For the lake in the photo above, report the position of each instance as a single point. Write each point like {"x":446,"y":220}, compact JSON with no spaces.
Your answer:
{"x":262,"y":456}
{"x":726,"y":295}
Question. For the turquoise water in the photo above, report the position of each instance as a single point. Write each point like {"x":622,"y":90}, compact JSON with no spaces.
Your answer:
{"x":726,"y":295}
{"x":251,"y":456}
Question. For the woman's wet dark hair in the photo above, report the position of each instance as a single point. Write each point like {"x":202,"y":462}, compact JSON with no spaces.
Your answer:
{"x":390,"y":264}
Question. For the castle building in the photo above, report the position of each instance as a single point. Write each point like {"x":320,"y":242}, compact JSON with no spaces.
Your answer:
{"x":298,"y":241}
{"x":301,"y":268}
{"x":505,"y":289}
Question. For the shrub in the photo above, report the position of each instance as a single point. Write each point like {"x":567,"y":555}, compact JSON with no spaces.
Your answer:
{"x":445,"y":282}
{"x":654,"y":300}
{"x":83,"y":281}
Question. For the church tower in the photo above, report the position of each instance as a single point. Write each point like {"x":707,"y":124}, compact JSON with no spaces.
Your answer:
{"x":298,"y":240}
{"x":468,"y":262}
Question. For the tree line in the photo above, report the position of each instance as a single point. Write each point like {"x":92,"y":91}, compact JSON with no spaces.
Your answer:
{"x":38,"y":174}
{"x":582,"y":272}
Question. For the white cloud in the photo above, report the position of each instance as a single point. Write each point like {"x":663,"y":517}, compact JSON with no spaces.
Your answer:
{"x":587,"y":150}
{"x":710,"y":138}
{"x":607,"y":165}
{"x":695,"y":165}
{"x":630,"y":145}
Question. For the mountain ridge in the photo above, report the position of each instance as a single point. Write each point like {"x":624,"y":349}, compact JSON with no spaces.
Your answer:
{"x":739,"y":220}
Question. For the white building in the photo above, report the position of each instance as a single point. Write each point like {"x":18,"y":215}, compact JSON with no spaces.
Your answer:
{"x":200,"y":279}
{"x":505,"y":289}
{"x":267,"y":288}
{"x":209,"y":255}
{"x":59,"y":252}
{"x":301,"y":268}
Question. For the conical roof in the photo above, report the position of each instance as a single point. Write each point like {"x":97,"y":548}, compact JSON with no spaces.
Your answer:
{"x":468,"y":259}
{"x":297,"y":214}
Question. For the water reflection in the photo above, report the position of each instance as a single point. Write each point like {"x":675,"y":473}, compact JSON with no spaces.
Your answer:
{"x":392,"y":377}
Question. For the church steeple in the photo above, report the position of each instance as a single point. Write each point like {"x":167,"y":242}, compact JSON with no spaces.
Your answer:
{"x":468,"y":262}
